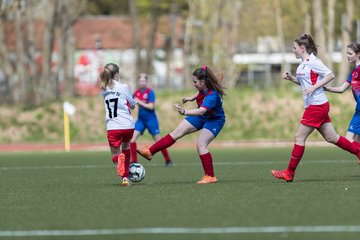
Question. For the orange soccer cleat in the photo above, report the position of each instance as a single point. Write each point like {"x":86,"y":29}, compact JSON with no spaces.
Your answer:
{"x":145,"y":152}
{"x":121,"y":165}
{"x":207,"y":179}
{"x":285,"y":175}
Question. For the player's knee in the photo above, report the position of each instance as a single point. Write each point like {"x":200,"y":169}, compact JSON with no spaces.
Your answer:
{"x":296,"y":137}
{"x":299,"y":140}
{"x":331,"y":139}
{"x":201,"y":147}
{"x":176,"y":134}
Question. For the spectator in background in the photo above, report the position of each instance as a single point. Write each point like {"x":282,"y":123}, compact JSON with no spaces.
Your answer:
{"x":311,"y":75}
{"x":353,"y":80}
{"x":147,"y":119}
{"x":119,"y":122}
{"x":209,"y":117}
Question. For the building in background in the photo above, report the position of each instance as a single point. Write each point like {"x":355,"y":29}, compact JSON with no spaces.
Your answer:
{"x":110,"y":39}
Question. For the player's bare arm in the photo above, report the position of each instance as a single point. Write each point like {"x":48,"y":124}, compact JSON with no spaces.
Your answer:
{"x":192,"y":98}
{"x":190,"y":112}
{"x":339,"y":89}
{"x":288,"y":76}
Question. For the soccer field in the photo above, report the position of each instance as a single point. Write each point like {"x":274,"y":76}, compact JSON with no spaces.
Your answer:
{"x":77,"y":195}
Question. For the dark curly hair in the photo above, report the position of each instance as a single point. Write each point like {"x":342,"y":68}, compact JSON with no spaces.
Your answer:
{"x":211,"y":80}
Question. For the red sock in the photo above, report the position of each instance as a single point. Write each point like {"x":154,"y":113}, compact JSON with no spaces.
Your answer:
{"x":163,"y":143}
{"x":206,"y":160}
{"x":357,"y":144}
{"x":347,"y":145}
{"x":295,"y":158}
{"x":165,"y":153}
{"x":133,"y":147}
{"x":127,"y":162}
{"x":115,"y":159}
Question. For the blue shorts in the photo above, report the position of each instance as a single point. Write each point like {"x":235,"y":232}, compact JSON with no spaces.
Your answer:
{"x":213,"y":125}
{"x":151,"y":124}
{"x":354,"y":125}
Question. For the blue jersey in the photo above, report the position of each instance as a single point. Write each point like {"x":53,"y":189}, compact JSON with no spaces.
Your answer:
{"x":147,"y":96}
{"x":354,"y":80}
{"x":212,"y":101}
{"x":214,"y":118}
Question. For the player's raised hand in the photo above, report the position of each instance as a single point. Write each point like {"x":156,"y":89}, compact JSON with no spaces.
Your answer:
{"x":187,"y":99}
{"x":287,"y":75}
{"x":179,"y":108}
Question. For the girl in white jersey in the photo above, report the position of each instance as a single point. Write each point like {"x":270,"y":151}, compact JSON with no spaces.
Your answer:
{"x":119,"y":122}
{"x":311,"y":75}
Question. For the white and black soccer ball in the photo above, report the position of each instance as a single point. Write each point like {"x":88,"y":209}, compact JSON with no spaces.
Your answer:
{"x":136,"y":172}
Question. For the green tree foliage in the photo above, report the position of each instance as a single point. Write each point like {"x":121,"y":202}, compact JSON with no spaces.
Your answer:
{"x":107,"y":7}
{"x":257,"y":17}
{"x":121,"y":7}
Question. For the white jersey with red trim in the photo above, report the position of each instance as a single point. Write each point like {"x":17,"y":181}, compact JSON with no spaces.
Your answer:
{"x":308,"y":73}
{"x":117,"y":103}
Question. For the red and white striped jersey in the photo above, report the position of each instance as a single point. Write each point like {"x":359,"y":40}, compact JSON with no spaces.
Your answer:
{"x":308,"y":73}
{"x":117,"y":103}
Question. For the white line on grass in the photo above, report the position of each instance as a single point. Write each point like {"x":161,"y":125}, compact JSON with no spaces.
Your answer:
{"x":176,"y":164}
{"x":130,"y":231}
{"x":54,"y":167}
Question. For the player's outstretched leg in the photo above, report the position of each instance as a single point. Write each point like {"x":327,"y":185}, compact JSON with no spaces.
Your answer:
{"x":163,"y":143}
{"x":349,"y":146}
{"x":145,"y":152}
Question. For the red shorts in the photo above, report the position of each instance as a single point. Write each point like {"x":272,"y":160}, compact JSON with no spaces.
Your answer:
{"x":116,"y":137}
{"x":316,"y":115}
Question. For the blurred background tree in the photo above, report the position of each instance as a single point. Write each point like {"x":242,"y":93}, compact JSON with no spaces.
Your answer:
{"x":214,"y":31}
{"x":30,"y":76}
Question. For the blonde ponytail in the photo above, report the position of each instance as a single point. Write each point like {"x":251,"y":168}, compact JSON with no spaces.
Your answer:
{"x":107,"y":75}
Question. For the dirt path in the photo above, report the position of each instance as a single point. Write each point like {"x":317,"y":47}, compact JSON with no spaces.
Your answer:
{"x":179,"y":145}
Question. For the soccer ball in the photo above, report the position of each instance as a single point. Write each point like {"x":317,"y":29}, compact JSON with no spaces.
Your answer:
{"x":136,"y":172}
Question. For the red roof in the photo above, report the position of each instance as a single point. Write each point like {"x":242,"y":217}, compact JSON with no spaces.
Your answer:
{"x":114,"y":32}
{"x":10,"y":36}
{"x":117,"y":32}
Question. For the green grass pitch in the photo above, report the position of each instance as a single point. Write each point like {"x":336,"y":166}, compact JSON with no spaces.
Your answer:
{"x":77,"y":195}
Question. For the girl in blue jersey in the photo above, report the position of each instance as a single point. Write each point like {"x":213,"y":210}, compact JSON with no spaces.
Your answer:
{"x":353,"y":80}
{"x":147,"y":119}
{"x":208,"y":117}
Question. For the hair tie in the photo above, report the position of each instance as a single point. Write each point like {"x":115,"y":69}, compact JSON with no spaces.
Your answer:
{"x":204,"y":67}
